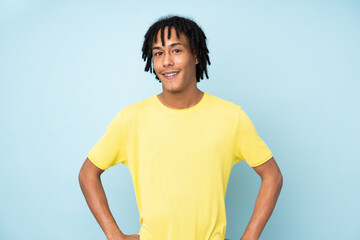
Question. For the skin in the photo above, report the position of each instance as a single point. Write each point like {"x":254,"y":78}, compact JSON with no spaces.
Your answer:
{"x":92,"y":188}
{"x":271,"y":184}
{"x":178,"y":93}
{"x":181,"y":91}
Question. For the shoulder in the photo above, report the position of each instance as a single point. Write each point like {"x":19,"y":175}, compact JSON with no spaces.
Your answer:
{"x":131,"y":112}
{"x":223,"y":104}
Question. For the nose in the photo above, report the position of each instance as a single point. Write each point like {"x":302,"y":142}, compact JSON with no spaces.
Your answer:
{"x":167,"y":60}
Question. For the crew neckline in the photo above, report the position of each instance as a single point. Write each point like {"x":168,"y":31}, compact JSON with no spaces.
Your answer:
{"x":184,"y":109}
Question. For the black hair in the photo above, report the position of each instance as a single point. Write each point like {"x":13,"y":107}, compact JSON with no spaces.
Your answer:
{"x":196,"y":36}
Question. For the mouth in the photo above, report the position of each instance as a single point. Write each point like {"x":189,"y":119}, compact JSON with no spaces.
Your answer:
{"x":170,"y":75}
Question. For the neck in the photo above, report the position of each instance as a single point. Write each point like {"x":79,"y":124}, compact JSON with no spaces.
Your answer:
{"x":181,"y":100}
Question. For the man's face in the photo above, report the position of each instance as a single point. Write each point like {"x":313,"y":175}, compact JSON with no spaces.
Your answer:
{"x":174,"y":63}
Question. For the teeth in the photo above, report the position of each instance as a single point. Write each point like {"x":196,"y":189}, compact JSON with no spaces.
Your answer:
{"x":170,"y":74}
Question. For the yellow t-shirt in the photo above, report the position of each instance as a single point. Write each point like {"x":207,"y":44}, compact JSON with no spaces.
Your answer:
{"x":180,"y":162}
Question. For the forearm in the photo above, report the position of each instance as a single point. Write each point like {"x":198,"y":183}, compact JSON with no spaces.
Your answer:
{"x":265,"y":203}
{"x":94,"y":194}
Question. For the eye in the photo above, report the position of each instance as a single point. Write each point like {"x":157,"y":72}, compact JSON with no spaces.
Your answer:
{"x":157,"y":53}
{"x":177,"y":50}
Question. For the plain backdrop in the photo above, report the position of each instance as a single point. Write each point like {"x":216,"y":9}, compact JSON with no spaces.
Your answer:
{"x":68,"y":67}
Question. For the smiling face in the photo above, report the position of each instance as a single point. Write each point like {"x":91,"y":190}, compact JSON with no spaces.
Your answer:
{"x":174,"y":63}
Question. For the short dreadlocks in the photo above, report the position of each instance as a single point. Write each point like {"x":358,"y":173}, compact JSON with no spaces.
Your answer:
{"x":197,"y":42}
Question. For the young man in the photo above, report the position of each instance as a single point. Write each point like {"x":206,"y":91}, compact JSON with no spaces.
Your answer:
{"x":180,"y":146}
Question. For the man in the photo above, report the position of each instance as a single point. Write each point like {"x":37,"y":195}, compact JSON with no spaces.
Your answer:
{"x":180,"y":146}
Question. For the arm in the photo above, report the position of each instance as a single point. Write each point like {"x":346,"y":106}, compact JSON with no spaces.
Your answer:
{"x":271,"y":184}
{"x":91,"y":186}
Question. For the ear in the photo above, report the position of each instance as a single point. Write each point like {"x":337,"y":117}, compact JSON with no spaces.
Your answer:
{"x":196,"y":60}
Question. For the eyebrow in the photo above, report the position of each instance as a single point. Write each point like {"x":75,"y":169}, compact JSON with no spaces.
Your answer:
{"x":171,"y":45}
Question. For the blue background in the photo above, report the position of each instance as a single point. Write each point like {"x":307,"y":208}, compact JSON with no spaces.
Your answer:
{"x":68,"y":67}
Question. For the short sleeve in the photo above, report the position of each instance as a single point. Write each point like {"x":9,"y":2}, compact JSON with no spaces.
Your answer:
{"x":248,"y":144}
{"x":110,"y":148}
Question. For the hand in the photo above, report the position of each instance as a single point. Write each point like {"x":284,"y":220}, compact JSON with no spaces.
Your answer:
{"x":132,"y":237}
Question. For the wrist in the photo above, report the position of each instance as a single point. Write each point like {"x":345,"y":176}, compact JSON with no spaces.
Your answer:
{"x":249,"y":236}
{"x":117,"y":236}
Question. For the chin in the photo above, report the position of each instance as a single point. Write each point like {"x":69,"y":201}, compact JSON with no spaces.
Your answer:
{"x":173,"y":90}
{"x":170,"y":87}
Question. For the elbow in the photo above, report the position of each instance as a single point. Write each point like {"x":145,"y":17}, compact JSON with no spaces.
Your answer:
{"x":279,"y":181}
{"x":84,"y":178}
{"x":81,"y":173}
{"x":81,"y":176}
